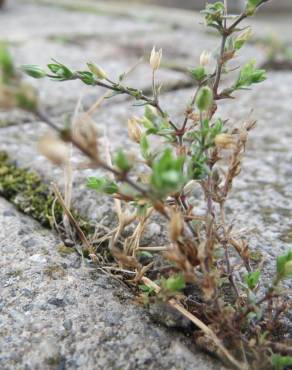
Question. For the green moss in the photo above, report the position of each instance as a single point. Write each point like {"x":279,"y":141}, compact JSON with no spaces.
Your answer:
{"x":27,"y":191}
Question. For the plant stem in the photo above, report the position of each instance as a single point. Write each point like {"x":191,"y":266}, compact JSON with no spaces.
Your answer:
{"x":69,"y":137}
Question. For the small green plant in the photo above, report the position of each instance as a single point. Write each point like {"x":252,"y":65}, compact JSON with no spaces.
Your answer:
{"x":279,"y":53}
{"x":13,"y":91}
{"x":242,"y":313}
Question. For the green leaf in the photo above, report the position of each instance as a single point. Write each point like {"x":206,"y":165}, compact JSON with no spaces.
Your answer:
{"x":250,"y":75}
{"x":253,"y":2}
{"x":144,"y":147}
{"x":214,"y":14}
{"x":146,"y":254}
{"x":241,"y":38}
{"x":146,"y":289}
{"x":175,"y":283}
{"x":197,"y":166}
{"x":198,"y":73}
{"x":252,"y":5}
{"x":33,"y":71}
{"x":102,"y":185}
{"x":122,"y":162}
{"x":60,"y":71}
{"x":252,"y":279}
{"x":284,"y":265}
{"x":281,"y":362}
{"x":167,"y":173}
{"x":87,"y":77}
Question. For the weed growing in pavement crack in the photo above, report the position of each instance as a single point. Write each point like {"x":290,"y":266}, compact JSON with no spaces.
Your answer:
{"x":239,"y":316}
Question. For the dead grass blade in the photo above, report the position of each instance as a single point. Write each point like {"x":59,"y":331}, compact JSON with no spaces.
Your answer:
{"x":207,"y":331}
{"x":72,"y":219}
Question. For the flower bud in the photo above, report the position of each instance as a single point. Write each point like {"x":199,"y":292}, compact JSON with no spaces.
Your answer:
{"x":205,"y":58}
{"x":97,"y":71}
{"x":225,"y":141}
{"x":204,"y":98}
{"x":54,"y":149}
{"x":33,"y":71}
{"x":134,"y":130}
{"x":198,"y":73}
{"x":155,"y":58}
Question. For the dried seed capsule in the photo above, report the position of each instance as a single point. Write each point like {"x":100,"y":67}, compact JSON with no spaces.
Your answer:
{"x":225,"y":141}
{"x":134,"y":130}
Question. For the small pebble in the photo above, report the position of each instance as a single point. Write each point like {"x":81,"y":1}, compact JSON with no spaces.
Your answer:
{"x":68,"y":324}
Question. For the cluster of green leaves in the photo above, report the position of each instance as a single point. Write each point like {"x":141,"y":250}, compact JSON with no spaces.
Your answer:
{"x":122,"y":162}
{"x":147,"y":290}
{"x":174,"y":284}
{"x":167,"y":173}
{"x":102,"y":185}
{"x":202,"y":139}
{"x":252,"y":279}
{"x":214,"y":15}
{"x":249,"y":75}
{"x":60,"y":72}
{"x":281,"y":362}
{"x":155,"y":124}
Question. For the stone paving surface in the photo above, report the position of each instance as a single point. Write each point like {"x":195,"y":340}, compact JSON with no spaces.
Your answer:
{"x":59,"y":313}
{"x":54,"y":302}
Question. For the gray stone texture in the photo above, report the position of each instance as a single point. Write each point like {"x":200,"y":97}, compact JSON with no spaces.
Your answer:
{"x":58,"y":312}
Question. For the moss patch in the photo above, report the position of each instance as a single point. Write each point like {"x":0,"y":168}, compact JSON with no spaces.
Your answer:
{"x":27,"y":191}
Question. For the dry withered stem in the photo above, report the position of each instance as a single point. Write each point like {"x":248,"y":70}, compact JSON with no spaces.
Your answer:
{"x":205,"y":329}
